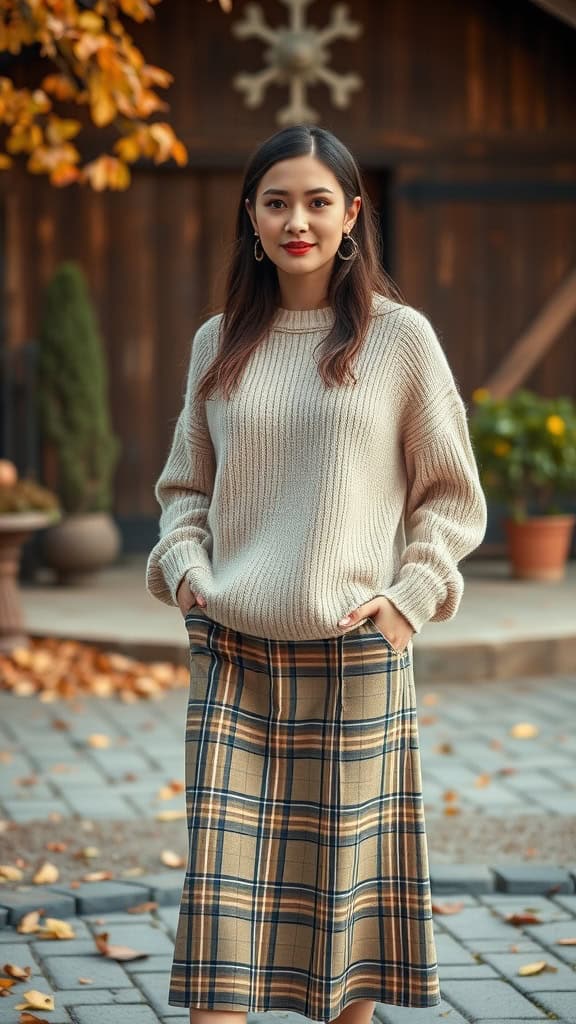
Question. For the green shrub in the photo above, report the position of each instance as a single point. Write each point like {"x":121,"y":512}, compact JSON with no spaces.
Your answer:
{"x":72,"y":394}
{"x":526,"y":450}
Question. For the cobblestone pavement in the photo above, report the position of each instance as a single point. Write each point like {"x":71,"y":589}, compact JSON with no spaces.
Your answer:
{"x":52,"y":780}
{"x":479,"y":958}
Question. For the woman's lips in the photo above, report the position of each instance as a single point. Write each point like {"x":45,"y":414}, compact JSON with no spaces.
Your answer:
{"x":297,"y":250}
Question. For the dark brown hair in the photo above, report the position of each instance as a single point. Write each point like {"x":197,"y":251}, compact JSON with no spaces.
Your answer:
{"x":252,"y":289}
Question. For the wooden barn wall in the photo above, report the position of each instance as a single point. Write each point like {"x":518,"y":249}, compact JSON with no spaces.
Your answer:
{"x":465,"y":129}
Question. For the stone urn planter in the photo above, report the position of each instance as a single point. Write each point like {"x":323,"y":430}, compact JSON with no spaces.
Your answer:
{"x":15,"y":529}
{"x":80,"y":545}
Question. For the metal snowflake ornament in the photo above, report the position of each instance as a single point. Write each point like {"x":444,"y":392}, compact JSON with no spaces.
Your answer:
{"x":297,"y":57}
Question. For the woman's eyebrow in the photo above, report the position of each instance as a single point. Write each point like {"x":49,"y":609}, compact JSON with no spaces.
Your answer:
{"x":285,"y":192}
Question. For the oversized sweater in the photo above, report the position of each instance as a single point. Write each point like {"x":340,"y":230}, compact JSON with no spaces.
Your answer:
{"x":290,"y":504}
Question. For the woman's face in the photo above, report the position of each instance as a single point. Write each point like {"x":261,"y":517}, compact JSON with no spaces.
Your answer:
{"x":299,"y":200}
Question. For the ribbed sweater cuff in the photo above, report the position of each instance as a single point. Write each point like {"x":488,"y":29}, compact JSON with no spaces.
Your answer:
{"x":418,"y":594}
{"x":163,"y":577}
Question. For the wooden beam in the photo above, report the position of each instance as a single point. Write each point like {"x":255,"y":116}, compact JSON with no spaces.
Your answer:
{"x":533,"y":344}
{"x":563,"y":9}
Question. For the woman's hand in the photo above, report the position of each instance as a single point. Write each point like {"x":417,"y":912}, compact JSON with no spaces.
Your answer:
{"x":386,"y":618}
{"x":187,"y":599}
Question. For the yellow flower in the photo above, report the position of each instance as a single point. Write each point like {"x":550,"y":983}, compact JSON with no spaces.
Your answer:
{"x":555,"y":425}
{"x":480,"y":395}
{"x":501,"y":447}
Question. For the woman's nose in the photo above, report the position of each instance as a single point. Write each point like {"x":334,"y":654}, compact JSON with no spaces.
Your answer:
{"x":297,"y":222}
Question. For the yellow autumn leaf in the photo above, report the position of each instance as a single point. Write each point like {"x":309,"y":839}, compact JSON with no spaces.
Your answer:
{"x":46,"y":874}
{"x":10,"y":873}
{"x":54,"y":928}
{"x":61,"y":129}
{"x":171,"y":859}
{"x":90,"y":21}
{"x":174,"y":814}
{"x":36,"y":1000}
{"x":152,"y":75}
{"x":102,"y":104}
{"x":128,"y":148}
{"x":5,"y":161}
{"x":535,"y":968}
{"x":6,"y":983}
{"x":524,"y":730}
{"x":482,"y":780}
{"x":98,"y":740}
{"x":28,"y":923}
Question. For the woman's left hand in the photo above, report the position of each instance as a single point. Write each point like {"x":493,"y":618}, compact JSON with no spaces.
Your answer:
{"x":386,"y":618}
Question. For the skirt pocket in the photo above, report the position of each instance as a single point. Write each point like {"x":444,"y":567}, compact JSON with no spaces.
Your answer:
{"x":405,"y":654}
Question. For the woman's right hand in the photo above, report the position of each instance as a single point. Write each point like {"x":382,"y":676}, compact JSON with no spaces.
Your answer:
{"x":187,"y":599}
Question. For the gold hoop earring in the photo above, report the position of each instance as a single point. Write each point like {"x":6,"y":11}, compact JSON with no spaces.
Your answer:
{"x":257,"y":257}
{"x":355,"y":248}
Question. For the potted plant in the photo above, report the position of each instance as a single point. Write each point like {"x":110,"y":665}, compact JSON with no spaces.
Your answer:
{"x":25,"y":506}
{"x":526,"y":450}
{"x":79,"y":447}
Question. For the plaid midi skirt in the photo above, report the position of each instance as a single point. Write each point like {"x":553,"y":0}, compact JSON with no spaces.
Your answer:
{"x":307,"y":884}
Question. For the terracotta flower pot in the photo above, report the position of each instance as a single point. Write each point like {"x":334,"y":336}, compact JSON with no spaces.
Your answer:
{"x":538,"y":548}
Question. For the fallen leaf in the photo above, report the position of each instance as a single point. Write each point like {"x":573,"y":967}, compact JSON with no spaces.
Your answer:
{"x":524,"y":731}
{"x":99,"y":740}
{"x":46,"y":874}
{"x":31,"y":1018}
{"x":448,"y":908}
{"x":566,"y":942}
{"x":451,"y":809}
{"x":535,"y":968}
{"x":430,"y":698}
{"x":54,"y":928}
{"x":483,"y":780}
{"x":86,"y":981}
{"x":19,"y":973}
{"x":171,"y":859}
{"x":115,"y":952}
{"x":28,"y":923}
{"x":64,"y":669}
{"x":173,"y":814}
{"x":444,"y":748}
{"x":450,"y":795}
{"x":10,"y":873}
{"x":6,"y":983}
{"x":143,"y":908}
{"x":36,"y":1000}
{"x":526,"y":918}
{"x":97,"y":876}
{"x":56,"y":847}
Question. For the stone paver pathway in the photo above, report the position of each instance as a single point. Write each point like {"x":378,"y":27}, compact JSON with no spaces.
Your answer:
{"x":479,"y":956}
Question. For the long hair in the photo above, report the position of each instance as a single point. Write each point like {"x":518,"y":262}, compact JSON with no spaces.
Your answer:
{"x":252,"y":288}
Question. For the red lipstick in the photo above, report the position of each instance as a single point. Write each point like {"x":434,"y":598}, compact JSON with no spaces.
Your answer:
{"x":298,"y":248}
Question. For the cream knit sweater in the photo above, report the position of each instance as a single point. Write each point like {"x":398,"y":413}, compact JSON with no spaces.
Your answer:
{"x":291,"y":504}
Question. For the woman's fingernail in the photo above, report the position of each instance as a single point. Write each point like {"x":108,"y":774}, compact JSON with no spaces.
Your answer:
{"x":344,"y":620}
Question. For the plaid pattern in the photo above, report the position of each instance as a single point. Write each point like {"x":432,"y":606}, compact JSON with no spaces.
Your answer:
{"x":307,"y":884}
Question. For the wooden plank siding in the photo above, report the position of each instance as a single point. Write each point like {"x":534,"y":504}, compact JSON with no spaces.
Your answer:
{"x":465,"y":129}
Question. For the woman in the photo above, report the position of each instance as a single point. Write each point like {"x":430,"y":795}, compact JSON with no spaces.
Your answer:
{"x":318,"y":495}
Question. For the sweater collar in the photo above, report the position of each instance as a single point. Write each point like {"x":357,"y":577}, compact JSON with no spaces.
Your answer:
{"x":302,"y":319}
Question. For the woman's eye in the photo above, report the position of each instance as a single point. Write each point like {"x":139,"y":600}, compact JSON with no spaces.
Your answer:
{"x":272,"y":201}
